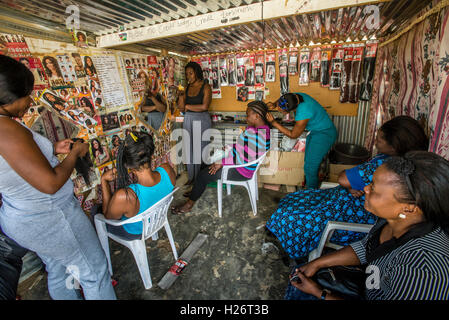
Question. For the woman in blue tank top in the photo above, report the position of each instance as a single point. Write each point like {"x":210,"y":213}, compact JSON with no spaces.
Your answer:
{"x":134,"y":197}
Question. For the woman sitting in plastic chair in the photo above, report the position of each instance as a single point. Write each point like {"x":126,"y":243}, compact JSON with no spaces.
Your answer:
{"x":251,"y":144}
{"x":131,"y":199}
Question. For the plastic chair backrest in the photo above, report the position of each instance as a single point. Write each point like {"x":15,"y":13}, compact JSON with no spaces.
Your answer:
{"x":155,"y":216}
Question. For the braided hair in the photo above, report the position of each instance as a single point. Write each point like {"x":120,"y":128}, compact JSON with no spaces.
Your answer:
{"x":422,"y":179}
{"x":260,"y":108}
{"x":289,"y":101}
{"x":134,"y":152}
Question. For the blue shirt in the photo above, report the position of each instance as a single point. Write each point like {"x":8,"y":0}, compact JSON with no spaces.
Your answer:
{"x":148,"y":196}
{"x":312,"y":110}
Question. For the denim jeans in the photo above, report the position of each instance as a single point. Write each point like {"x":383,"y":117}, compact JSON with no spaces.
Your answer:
{"x":65,"y":240}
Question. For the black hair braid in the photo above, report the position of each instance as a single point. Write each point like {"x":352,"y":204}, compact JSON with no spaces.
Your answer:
{"x":260,"y":108}
{"x":123,"y":178}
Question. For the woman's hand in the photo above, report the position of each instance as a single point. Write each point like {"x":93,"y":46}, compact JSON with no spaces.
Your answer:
{"x":109,"y":175}
{"x":270,"y":117}
{"x":63,"y":146}
{"x":309,"y":269}
{"x":356,"y":193}
{"x":80,"y":148}
{"x":214,"y":168}
{"x":306,"y":285}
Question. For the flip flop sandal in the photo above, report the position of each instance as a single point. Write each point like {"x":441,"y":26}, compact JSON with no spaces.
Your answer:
{"x":177,"y":211}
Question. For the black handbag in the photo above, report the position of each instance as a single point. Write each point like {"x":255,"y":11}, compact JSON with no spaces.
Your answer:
{"x":347,"y":282}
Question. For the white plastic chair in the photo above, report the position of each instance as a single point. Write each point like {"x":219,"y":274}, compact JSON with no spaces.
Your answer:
{"x":250,"y":185}
{"x":331,"y":226}
{"x":153,"y":219}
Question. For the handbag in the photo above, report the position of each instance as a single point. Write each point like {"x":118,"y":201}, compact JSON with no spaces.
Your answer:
{"x":348,"y":282}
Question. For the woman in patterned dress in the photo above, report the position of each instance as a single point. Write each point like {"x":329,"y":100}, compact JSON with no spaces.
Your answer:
{"x":302,"y":216}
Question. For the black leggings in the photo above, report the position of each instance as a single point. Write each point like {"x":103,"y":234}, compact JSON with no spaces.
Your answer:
{"x":204,"y":178}
{"x":11,"y":255}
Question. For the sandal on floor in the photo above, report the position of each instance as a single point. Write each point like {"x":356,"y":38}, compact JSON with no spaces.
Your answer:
{"x":177,"y":210}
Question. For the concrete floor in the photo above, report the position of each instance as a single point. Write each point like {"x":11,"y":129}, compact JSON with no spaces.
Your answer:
{"x":234,"y":262}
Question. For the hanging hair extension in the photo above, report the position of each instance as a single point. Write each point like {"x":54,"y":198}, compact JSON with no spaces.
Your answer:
{"x":83,"y":164}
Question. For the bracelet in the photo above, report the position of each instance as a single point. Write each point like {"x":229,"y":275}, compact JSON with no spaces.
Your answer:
{"x":324,"y":294}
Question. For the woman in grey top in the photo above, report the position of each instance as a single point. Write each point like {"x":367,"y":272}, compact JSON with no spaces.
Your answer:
{"x":406,"y":253}
{"x":39,"y":209}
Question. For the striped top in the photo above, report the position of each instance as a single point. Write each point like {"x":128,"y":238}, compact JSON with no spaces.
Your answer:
{"x":412,"y":267}
{"x":251,"y":145}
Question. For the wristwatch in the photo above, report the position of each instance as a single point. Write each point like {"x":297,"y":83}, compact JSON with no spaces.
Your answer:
{"x":324,"y":294}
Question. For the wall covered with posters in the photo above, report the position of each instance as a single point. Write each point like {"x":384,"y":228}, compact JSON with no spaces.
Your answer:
{"x":412,"y":78}
{"x":332,"y":74}
{"x":95,"y":95}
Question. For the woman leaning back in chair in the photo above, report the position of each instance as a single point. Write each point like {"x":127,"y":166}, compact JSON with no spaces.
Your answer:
{"x":302,"y":216}
{"x":251,"y":144}
{"x":406,"y":253}
{"x":131,"y":199}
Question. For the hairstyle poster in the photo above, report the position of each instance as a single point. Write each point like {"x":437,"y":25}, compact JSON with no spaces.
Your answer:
{"x":304,"y":67}
{"x":113,"y":140}
{"x":79,"y":39}
{"x":292,"y":61}
{"x":154,"y":73}
{"x":315,"y":62}
{"x":110,"y":121}
{"x":242,"y":93}
{"x":283,"y":70}
{"x":232,"y":71}
{"x":13,"y":45}
{"x":126,"y":118}
{"x":53,"y":71}
{"x":99,"y":150}
{"x":36,"y":68}
{"x":67,"y":109}
{"x":67,"y":69}
{"x":338,"y":53}
{"x":270,"y":66}
{"x":223,"y":71}
{"x":79,"y":65}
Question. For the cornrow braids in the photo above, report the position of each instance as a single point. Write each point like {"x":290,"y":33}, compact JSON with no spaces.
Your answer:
{"x":260,"y":108}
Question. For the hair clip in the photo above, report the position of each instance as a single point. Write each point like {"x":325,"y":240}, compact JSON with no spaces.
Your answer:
{"x":133,"y":136}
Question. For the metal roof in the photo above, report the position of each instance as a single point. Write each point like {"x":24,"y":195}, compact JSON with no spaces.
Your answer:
{"x":102,"y":17}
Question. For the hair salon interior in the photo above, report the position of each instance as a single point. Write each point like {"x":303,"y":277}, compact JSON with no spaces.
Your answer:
{"x":224,"y":150}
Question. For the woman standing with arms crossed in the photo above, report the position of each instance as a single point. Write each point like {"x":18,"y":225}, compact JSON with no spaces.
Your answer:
{"x":39,"y":209}
{"x":310,"y":115}
{"x":195,"y":103}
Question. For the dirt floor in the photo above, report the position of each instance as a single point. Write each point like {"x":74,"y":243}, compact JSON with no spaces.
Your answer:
{"x":238,"y":261}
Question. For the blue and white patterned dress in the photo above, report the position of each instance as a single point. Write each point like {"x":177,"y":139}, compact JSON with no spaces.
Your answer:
{"x":302,"y":216}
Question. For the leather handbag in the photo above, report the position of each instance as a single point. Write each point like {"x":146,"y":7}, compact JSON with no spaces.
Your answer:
{"x":347,"y":282}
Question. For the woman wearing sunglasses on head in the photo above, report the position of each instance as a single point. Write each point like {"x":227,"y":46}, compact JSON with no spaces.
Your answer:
{"x":311,"y":116}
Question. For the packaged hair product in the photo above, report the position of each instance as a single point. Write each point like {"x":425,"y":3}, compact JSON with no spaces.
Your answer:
{"x":369,"y":64}
{"x":315,"y":65}
{"x":338,"y":53}
{"x":346,"y":74}
{"x":354,"y":87}
{"x":283,"y":70}
{"x":304,"y":67}
{"x":326,"y":54}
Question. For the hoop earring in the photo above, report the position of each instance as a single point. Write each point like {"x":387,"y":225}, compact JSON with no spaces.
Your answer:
{"x":402,"y":216}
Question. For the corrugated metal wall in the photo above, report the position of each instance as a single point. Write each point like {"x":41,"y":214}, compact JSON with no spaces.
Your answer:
{"x":352,"y":129}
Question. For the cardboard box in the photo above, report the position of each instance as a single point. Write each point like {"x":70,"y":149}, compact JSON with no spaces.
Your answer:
{"x":335,"y":169}
{"x":282,"y":168}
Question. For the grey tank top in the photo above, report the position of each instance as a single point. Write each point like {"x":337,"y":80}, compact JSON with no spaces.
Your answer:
{"x":19,"y":196}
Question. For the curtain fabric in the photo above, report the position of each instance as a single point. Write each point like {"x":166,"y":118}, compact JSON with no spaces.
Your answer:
{"x":412,"y":79}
